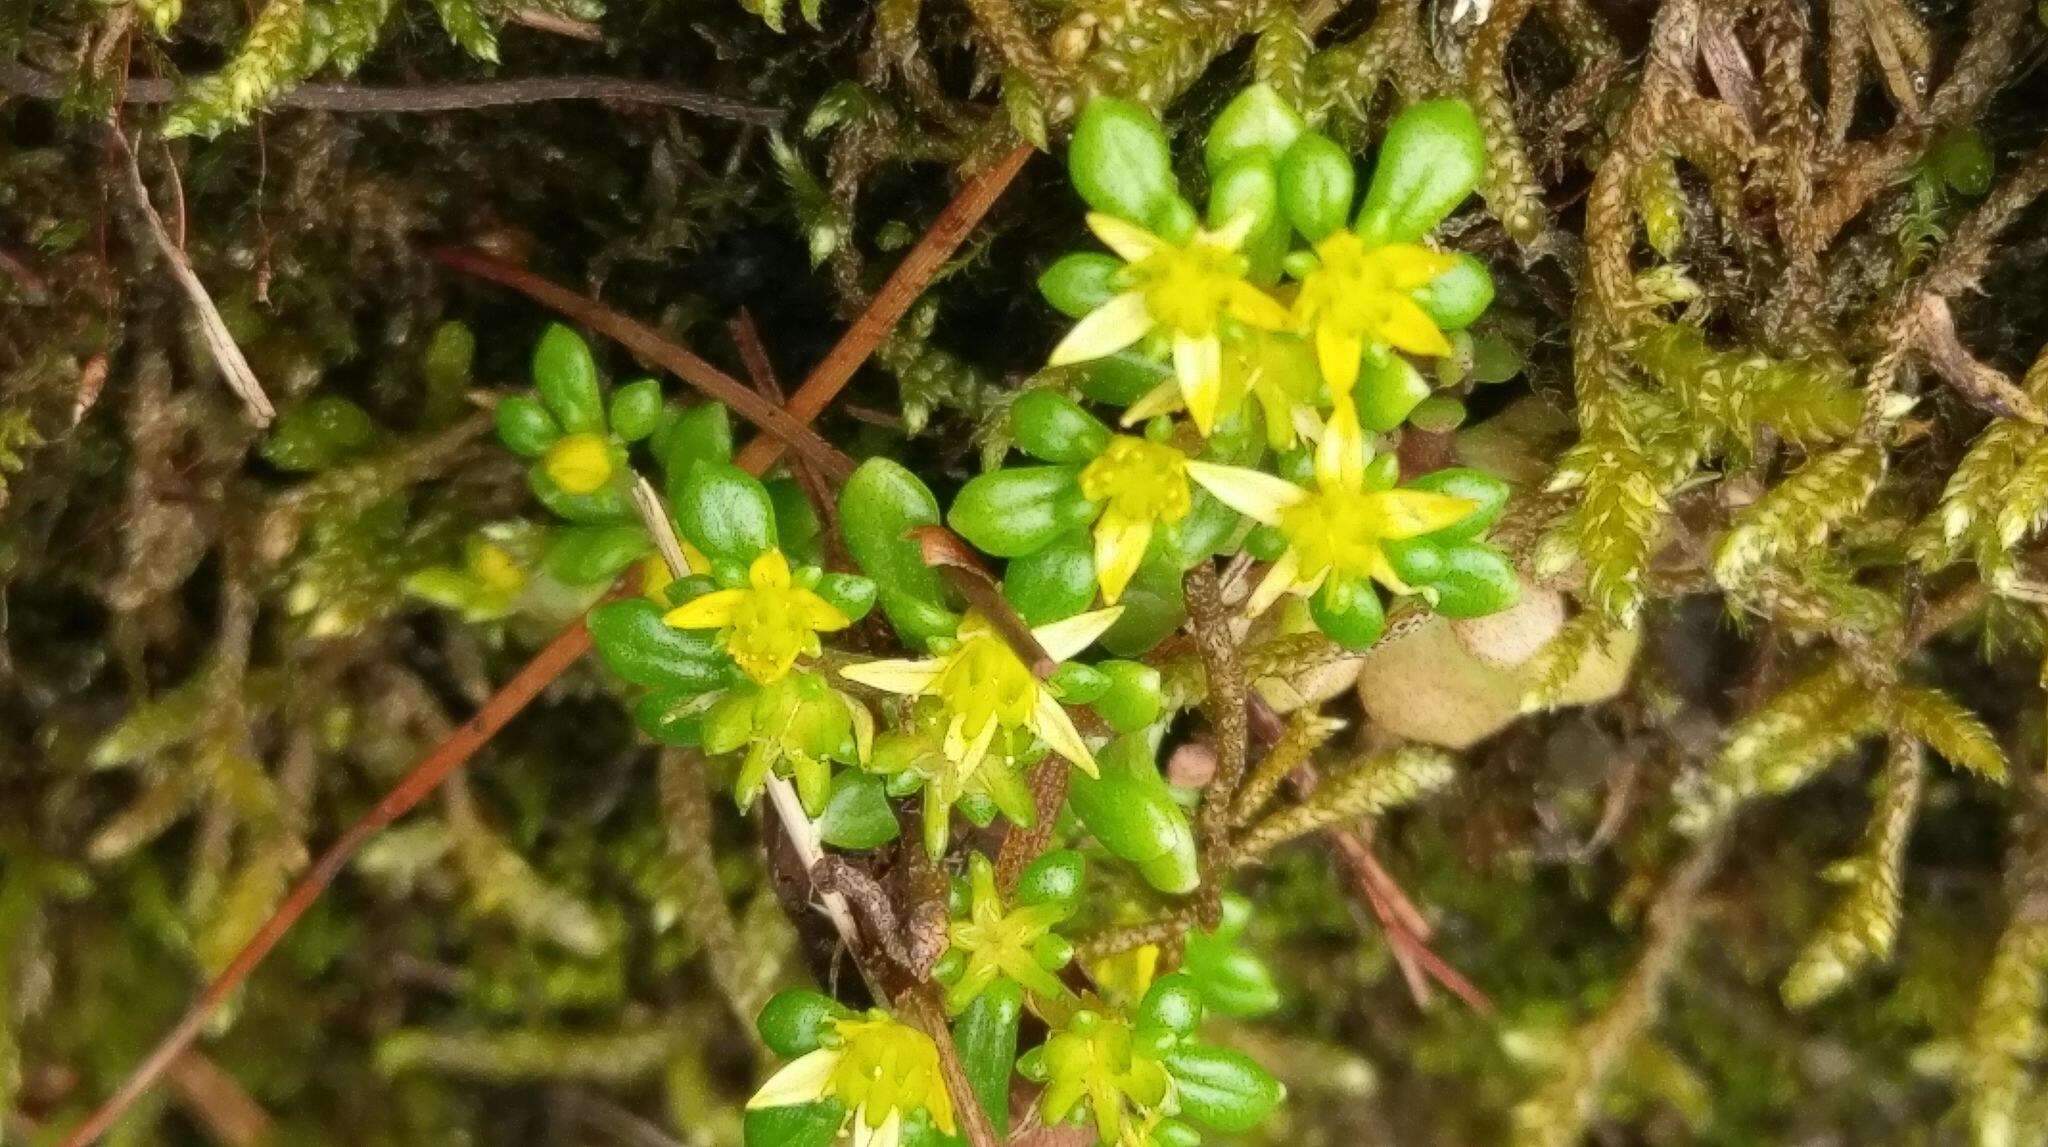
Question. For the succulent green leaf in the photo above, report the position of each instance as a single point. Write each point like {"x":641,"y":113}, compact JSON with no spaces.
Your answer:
{"x":1256,"y":124}
{"x":1078,"y":283}
{"x":1456,"y":298}
{"x":636,"y":408}
{"x":566,"y":377}
{"x":986,"y":1036}
{"x":637,"y":645}
{"x":1349,"y":612}
{"x":1476,"y":580}
{"x":1222,"y":1089}
{"x":1056,"y":582}
{"x":1119,"y":160}
{"x":1130,"y":809}
{"x":800,"y":1125}
{"x":1012,"y":512}
{"x":1134,"y":698}
{"x":879,"y":505}
{"x":1051,"y":427}
{"x":525,"y":426}
{"x":1431,"y":159}
{"x":725,"y":512}
{"x":594,"y":555}
{"x":858,"y":815}
{"x":1317,"y":184}
{"x":1389,"y":389}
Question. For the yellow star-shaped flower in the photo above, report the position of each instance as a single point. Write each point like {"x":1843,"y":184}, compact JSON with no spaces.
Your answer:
{"x":769,"y":624}
{"x":1358,"y":296}
{"x":1184,"y":291}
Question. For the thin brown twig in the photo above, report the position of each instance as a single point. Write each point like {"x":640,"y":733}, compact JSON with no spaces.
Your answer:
{"x":451,"y":754}
{"x":19,"y":79}
{"x":902,"y":288}
{"x":226,"y":355}
{"x":648,"y":344}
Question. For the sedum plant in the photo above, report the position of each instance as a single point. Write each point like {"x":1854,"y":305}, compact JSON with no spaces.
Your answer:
{"x":1233,"y":387}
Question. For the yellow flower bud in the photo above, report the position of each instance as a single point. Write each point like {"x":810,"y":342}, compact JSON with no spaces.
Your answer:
{"x":579,"y":463}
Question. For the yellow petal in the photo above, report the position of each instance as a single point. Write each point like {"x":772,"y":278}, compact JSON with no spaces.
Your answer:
{"x":1065,"y":638}
{"x":977,"y":751}
{"x":1406,"y":326}
{"x":769,"y":571}
{"x":1337,"y":352}
{"x":801,"y":1081}
{"x":863,"y":728}
{"x":1119,"y":549}
{"x":1410,"y":513}
{"x":1105,"y":330}
{"x":1161,"y":399}
{"x":1253,"y":493}
{"x":1131,"y":242}
{"x":1057,"y":730}
{"x":1198,"y":365}
{"x":816,"y":613}
{"x":1248,"y":304}
{"x":899,"y":675}
{"x":711,"y":611}
{"x":1277,"y":581}
{"x":1340,"y":456}
{"x":1411,"y":265}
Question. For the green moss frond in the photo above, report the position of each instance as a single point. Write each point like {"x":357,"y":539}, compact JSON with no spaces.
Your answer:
{"x":1863,"y":925}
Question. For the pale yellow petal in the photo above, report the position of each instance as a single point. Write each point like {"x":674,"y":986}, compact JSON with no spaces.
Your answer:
{"x":1161,"y":399}
{"x":1410,"y":513}
{"x":1277,"y":582}
{"x":1408,"y":327}
{"x":1253,"y":493}
{"x":863,"y":728}
{"x":1198,"y":366}
{"x":770,"y":570}
{"x":1119,"y":549}
{"x":1248,"y":304}
{"x":1050,"y":721}
{"x":1382,"y":571}
{"x":801,"y":1081}
{"x":711,"y":611}
{"x":1337,"y":353}
{"x":1131,"y":242}
{"x":897,"y":675}
{"x":977,"y":750}
{"x":1105,"y":330}
{"x":1062,"y":639}
{"x":1340,"y":456}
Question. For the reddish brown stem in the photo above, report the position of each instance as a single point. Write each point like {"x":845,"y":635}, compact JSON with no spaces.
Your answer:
{"x":451,"y":754}
{"x":904,"y":285}
{"x":650,"y":346}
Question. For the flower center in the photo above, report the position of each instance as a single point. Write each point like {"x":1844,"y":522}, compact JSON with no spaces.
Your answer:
{"x":1139,"y":480}
{"x":579,"y":463}
{"x":1186,"y":288}
{"x":984,"y":681}
{"x":768,"y":633}
{"x":1334,"y":531}
{"x":1359,"y":288}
